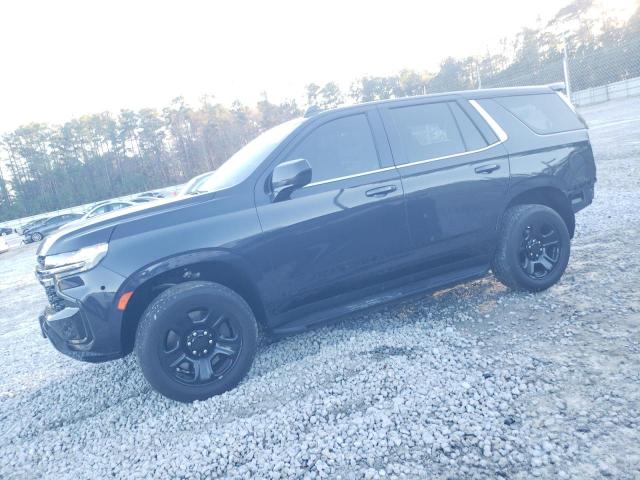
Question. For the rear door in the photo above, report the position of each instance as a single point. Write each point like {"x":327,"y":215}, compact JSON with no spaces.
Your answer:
{"x":343,"y":232}
{"x":455,"y":174}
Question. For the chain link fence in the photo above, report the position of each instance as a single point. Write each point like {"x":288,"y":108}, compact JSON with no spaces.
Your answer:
{"x":529,"y":73}
{"x":591,"y":75}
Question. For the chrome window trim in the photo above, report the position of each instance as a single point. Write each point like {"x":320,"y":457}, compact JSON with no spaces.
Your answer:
{"x":453,"y":155}
{"x":497,"y":129}
{"x":336,"y":179}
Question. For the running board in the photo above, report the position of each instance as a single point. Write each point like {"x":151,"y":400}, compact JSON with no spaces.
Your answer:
{"x":431,"y":284}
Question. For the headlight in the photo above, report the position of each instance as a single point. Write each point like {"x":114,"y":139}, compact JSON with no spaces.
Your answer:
{"x":76,"y":262}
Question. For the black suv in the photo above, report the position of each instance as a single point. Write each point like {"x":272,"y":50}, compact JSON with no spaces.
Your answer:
{"x":320,"y":217}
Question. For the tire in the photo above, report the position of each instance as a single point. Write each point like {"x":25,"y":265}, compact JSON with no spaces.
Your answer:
{"x":196,"y":340}
{"x":36,"y":237}
{"x":533,"y":248}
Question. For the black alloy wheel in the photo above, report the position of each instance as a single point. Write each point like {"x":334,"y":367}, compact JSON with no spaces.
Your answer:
{"x":533,"y":248}
{"x":202,"y":346}
{"x":195,"y":340}
{"x":540,"y":249}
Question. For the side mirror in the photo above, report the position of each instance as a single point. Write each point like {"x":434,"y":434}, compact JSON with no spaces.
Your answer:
{"x":289,"y":176}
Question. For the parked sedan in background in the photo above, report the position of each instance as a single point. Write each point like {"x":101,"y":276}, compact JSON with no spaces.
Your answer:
{"x":106,"y":207}
{"x":103,"y":207}
{"x":144,"y":199}
{"x":3,"y":245}
{"x":30,"y":225}
{"x":151,"y":194}
{"x":41,"y":230}
{"x":5,"y":231}
{"x":192,"y":187}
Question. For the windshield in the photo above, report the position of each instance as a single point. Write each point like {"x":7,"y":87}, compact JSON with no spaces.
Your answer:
{"x":246,"y":160}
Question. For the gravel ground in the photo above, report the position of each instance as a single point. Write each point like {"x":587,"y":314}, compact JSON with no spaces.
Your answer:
{"x":472,"y":382}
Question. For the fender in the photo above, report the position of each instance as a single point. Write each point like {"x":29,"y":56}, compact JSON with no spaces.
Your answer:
{"x":149,"y":272}
{"x":184,"y":259}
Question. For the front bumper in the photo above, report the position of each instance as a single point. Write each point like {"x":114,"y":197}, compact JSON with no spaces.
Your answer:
{"x":69,"y":335}
{"x":81,"y":321}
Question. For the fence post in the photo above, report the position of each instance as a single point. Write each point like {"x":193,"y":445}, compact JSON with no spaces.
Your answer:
{"x":565,"y":68}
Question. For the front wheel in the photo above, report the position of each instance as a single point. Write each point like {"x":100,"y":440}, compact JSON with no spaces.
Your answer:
{"x":533,"y":248}
{"x":196,"y":340}
{"x":36,"y":237}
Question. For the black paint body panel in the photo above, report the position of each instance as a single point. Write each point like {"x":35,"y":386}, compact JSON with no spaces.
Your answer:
{"x":332,"y":247}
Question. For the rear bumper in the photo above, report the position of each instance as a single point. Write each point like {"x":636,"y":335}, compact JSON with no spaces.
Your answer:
{"x":582,"y":197}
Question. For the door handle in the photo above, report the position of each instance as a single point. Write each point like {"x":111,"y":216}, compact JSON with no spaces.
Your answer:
{"x":487,"y":168}
{"x":381,"y":191}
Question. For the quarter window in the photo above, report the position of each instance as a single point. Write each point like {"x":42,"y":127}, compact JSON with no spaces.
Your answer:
{"x":338,"y":148}
{"x":427,"y":131}
{"x":542,"y":113}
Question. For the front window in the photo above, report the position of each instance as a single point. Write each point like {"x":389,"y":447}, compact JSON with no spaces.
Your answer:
{"x":248,"y":158}
{"x":339,"y":148}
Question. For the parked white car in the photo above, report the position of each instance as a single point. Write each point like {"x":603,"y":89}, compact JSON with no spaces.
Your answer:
{"x":3,"y":245}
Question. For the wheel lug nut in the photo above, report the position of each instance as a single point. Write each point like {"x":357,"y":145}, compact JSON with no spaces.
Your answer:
{"x":205,"y":351}
{"x":210,"y":342}
{"x":188,"y":344}
{"x":205,"y":332}
{"x":194,"y":352}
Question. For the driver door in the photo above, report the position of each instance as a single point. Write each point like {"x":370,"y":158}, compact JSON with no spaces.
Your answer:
{"x":339,"y":235}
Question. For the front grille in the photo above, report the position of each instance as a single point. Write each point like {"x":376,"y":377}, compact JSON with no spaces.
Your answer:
{"x":55,"y":301}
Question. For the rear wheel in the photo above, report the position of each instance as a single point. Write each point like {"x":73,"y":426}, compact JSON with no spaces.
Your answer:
{"x":196,"y":340}
{"x":533,"y":248}
{"x":36,"y":237}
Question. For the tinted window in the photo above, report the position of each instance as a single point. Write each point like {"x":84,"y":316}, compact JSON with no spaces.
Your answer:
{"x":473,"y":139}
{"x":338,"y":148}
{"x":543,"y":113}
{"x":427,"y":131}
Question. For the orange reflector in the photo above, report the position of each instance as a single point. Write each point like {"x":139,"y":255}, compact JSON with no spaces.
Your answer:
{"x":124,"y":299}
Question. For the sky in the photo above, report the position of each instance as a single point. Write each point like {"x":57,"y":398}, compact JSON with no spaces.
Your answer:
{"x":63,"y":59}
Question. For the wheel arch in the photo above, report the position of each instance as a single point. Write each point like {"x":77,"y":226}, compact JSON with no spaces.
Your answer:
{"x":550,"y":196}
{"x":221,"y":267}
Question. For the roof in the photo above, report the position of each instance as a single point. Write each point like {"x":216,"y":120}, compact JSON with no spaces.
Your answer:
{"x":468,"y":94}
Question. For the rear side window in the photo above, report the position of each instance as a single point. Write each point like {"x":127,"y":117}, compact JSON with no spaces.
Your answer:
{"x":427,"y":131}
{"x":543,"y":113}
{"x":338,"y":148}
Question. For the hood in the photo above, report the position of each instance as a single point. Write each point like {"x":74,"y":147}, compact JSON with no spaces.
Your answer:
{"x":98,"y":229}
